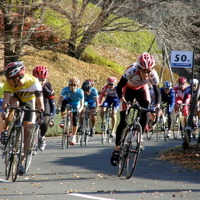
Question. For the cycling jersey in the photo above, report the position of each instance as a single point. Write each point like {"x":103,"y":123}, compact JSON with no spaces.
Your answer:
{"x":111,"y":97}
{"x":73,"y":98}
{"x":27,"y":91}
{"x":182,"y":97}
{"x":90,"y":99}
{"x":108,"y":92}
{"x":134,"y":79}
{"x":168,"y":98}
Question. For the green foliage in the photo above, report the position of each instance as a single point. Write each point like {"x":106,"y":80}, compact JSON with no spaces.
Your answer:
{"x":91,"y":57}
{"x":133,"y":41}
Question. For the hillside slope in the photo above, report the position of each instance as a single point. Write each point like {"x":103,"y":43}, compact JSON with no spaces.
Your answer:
{"x":62,"y":67}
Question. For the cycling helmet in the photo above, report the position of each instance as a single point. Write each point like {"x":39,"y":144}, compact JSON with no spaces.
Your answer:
{"x":146,"y":61}
{"x":14,"y":69}
{"x":167,"y":84}
{"x":182,"y":80}
{"x":74,"y":81}
{"x":91,"y":81}
{"x":86,"y":86}
{"x":111,"y":80}
{"x":40,"y":71}
{"x":194,"y":82}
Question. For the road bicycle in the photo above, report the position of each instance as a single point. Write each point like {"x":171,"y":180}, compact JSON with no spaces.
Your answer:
{"x":13,"y":150}
{"x":178,"y":124}
{"x":161,"y":127}
{"x":67,"y":127}
{"x":106,"y":125}
{"x":85,"y":127}
{"x":130,"y":146}
{"x":34,"y":138}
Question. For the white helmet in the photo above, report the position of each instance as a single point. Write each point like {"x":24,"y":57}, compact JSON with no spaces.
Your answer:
{"x":194,"y":82}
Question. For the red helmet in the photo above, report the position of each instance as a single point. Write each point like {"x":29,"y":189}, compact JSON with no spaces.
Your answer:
{"x":91,"y":81}
{"x":112,"y":80}
{"x":14,"y":69}
{"x":74,"y":81}
{"x":146,"y":61}
{"x":40,"y":71}
{"x":182,"y":80}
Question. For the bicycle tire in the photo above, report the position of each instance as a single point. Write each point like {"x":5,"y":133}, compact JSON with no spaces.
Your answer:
{"x":65,"y":133}
{"x":134,"y":142}
{"x":176,"y":126}
{"x":122,"y":154}
{"x":8,"y":156}
{"x":32,"y":146}
{"x":17,"y":153}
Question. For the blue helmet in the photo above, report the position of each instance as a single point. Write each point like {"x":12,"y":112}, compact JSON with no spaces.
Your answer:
{"x":167,"y":84}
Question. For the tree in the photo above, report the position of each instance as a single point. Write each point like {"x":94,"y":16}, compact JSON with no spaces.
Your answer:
{"x":105,"y":16}
{"x":177,"y":26}
{"x":18,"y":25}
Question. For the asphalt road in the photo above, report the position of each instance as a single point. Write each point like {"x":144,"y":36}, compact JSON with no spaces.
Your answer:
{"x":80,"y":173}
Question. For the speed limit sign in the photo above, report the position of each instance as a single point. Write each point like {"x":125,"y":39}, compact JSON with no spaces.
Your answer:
{"x":182,"y":59}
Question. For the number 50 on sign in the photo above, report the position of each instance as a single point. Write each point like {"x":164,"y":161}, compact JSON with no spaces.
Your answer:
{"x":182,"y":59}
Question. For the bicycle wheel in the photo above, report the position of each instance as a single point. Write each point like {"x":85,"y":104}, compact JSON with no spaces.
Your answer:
{"x":133,"y":144}
{"x":32,"y":146}
{"x":83,"y":132}
{"x":17,"y":152}
{"x":123,"y":154}
{"x":8,"y":152}
{"x":65,"y":133}
{"x":177,"y":126}
{"x":104,"y":128}
{"x":159,"y":128}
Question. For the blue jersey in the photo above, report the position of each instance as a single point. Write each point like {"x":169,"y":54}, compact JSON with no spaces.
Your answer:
{"x":168,"y":98}
{"x":91,"y":97}
{"x":73,"y":98}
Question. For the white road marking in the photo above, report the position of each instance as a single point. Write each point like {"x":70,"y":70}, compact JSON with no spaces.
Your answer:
{"x":89,"y":196}
{"x":5,"y":181}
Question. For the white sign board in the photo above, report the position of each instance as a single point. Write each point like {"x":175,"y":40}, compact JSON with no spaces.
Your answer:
{"x":182,"y":59}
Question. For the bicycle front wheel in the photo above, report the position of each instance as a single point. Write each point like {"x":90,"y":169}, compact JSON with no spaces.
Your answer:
{"x":32,"y":146}
{"x":177,"y":127}
{"x":133,"y":144}
{"x":17,"y":152}
{"x":123,"y":154}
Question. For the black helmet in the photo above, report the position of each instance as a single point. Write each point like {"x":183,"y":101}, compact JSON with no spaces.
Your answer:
{"x":86,"y":86}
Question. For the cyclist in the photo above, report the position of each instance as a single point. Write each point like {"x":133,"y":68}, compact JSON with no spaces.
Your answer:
{"x":182,"y":96}
{"x":168,"y":97}
{"x":191,"y":90}
{"x":109,"y":93}
{"x":91,"y":98}
{"x":74,"y":96}
{"x":134,"y":85}
{"x":41,"y":72}
{"x":21,"y":89}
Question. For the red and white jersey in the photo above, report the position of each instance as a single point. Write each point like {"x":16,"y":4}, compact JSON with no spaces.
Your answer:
{"x":135,"y":81}
{"x":180,"y":94}
{"x":106,"y":91}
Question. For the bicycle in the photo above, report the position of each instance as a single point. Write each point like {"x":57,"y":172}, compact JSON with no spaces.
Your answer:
{"x":34,"y":138}
{"x":67,"y":127}
{"x":85,"y":128}
{"x":14,"y":148}
{"x":161,"y":125}
{"x":178,"y":124}
{"x":130,"y":146}
{"x":106,"y":125}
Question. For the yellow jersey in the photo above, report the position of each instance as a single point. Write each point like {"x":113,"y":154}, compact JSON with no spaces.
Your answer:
{"x":25,"y":92}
